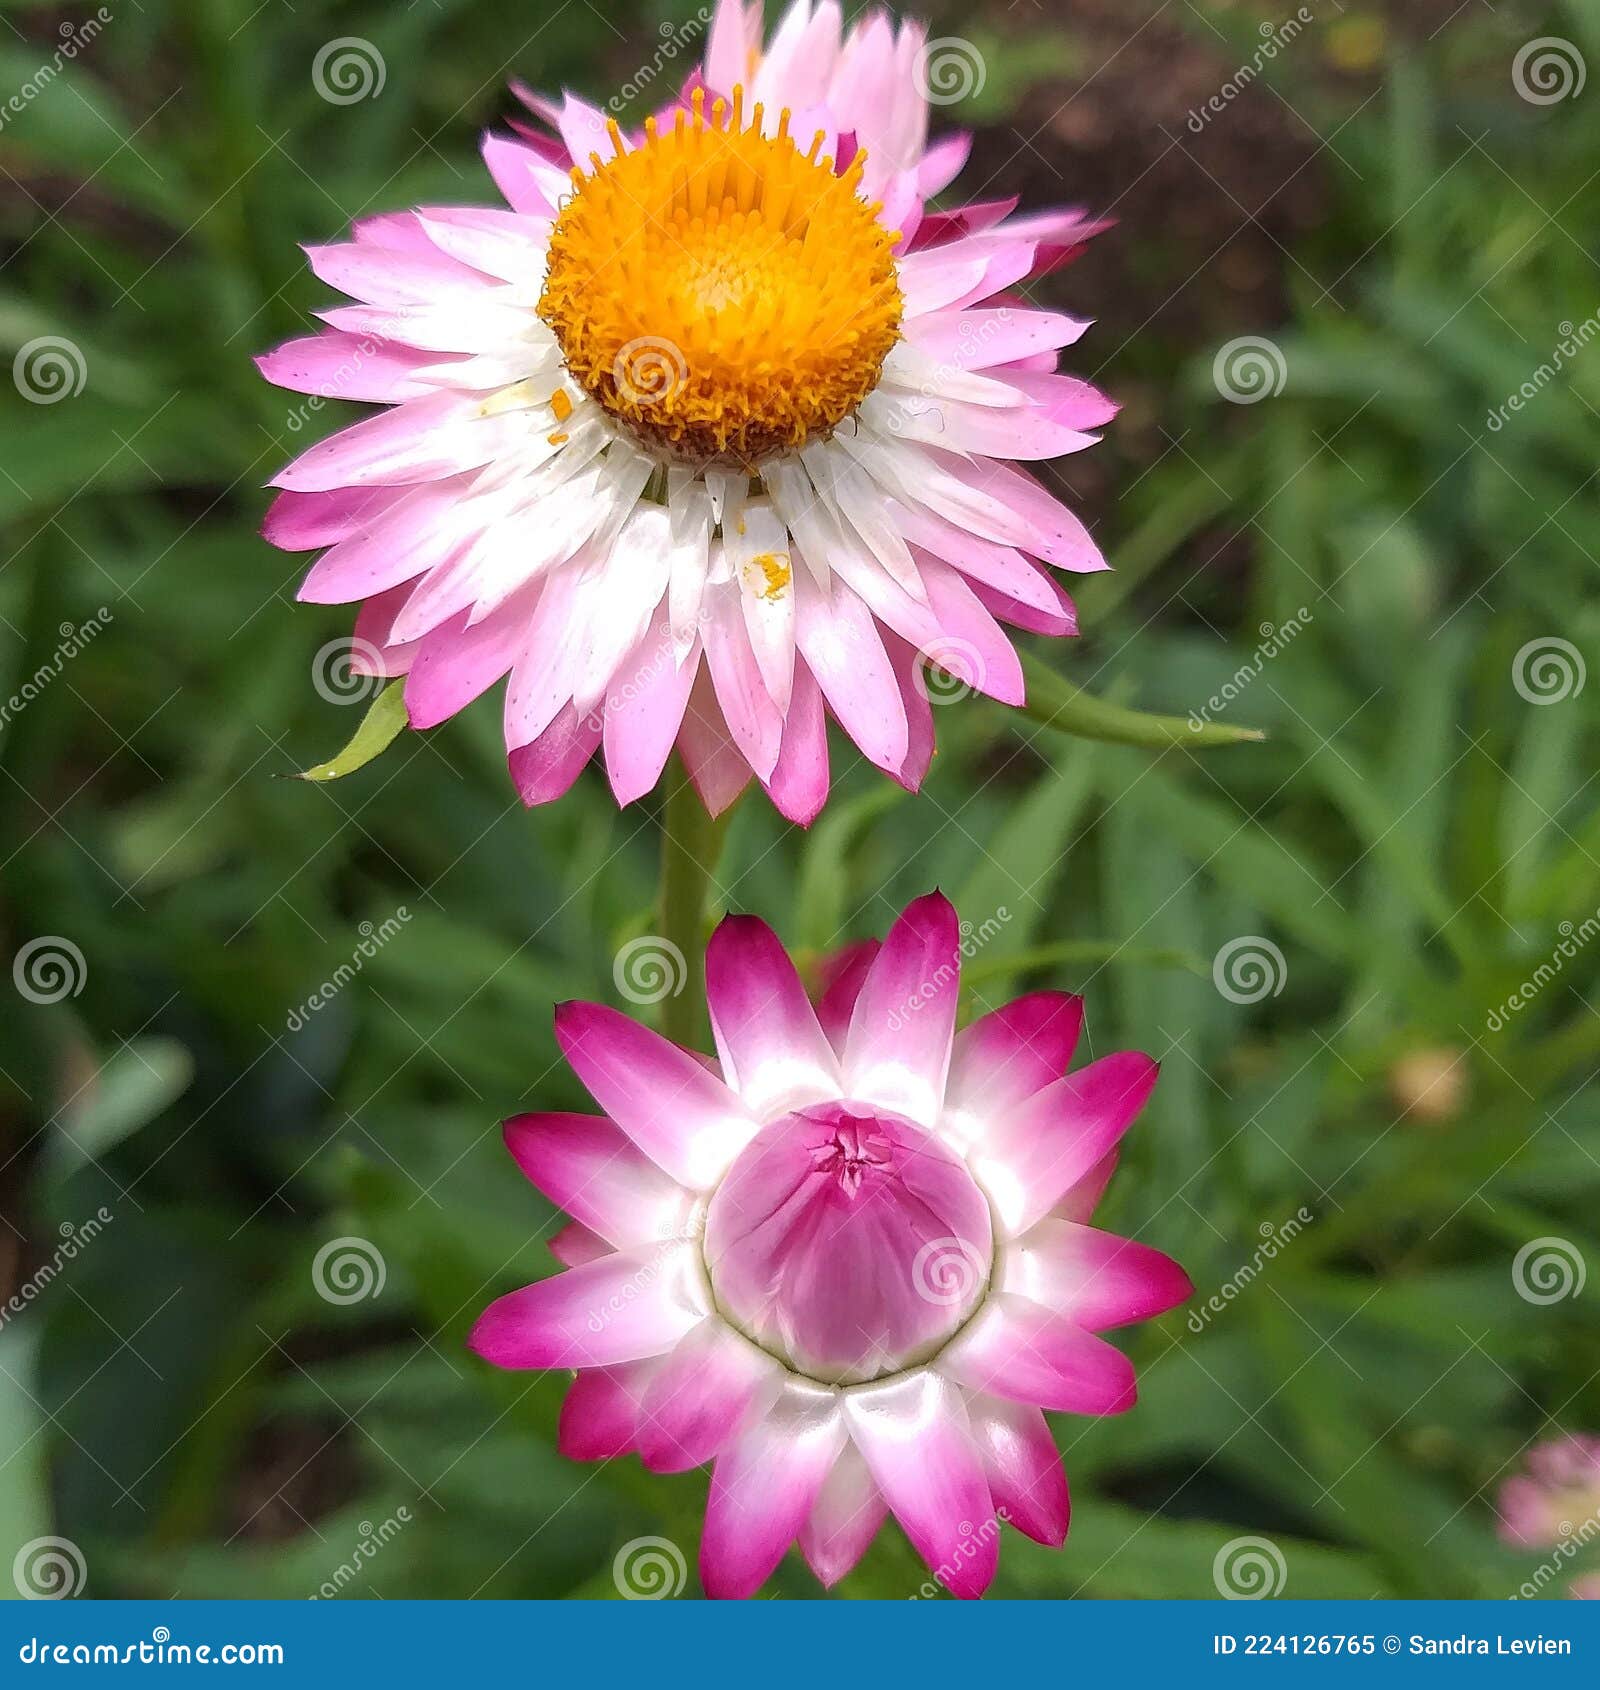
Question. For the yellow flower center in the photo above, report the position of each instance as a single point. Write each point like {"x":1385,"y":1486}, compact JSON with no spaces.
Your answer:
{"x":720,"y":292}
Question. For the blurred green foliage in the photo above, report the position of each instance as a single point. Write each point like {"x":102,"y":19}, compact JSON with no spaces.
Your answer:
{"x":1411,"y":838}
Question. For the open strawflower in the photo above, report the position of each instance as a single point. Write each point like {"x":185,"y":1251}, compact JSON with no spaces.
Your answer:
{"x":710,"y":432}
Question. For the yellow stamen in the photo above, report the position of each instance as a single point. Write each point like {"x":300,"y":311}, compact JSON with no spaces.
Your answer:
{"x":773,"y":568}
{"x":722,"y":293}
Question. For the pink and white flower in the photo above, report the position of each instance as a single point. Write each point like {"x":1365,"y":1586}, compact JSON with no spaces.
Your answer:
{"x":712,"y":432}
{"x":848,"y":1263}
{"x":1556,"y":1495}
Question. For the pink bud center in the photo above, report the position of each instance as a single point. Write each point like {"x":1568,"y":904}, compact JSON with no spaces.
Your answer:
{"x":849,"y":1242}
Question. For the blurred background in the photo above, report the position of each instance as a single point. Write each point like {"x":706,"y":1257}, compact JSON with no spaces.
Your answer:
{"x":258,"y":1035}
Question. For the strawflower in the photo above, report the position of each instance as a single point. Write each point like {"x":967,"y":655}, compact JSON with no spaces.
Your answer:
{"x":710,"y":432}
{"x":848,"y":1263}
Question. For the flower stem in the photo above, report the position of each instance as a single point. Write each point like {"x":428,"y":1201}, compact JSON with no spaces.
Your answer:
{"x":691,"y":842}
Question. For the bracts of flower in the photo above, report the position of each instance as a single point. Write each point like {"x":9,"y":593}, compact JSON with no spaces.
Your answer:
{"x":848,"y":1263}
{"x":711,"y":432}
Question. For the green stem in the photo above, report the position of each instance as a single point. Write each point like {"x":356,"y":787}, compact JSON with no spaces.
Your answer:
{"x":691,"y":842}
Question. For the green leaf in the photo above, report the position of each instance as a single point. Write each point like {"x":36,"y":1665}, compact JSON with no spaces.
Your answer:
{"x":385,"y":719}
{"x":135,"y":1085}
{"x":1058,"y":704}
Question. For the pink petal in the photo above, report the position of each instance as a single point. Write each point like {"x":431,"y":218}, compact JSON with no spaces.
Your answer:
{"x":754,"y":722}
{"x":332,"y":365}
{"x":939,"y":227}
{"x":574,"y":1244}
{"x":773,"y":1052}
{"x":764,"y":1488}
{"x":530,"y":184}
{"x":422,"y":440}
{"x":993,"y":335}
{"x":843,"y":650}
{"x":1028,"y":1158}
{"x":974,"y":648}
{"x":1003,"y":504}
{"x":701,"y":1395}
{"x":1009,"y":1054}
{"x":1026,"y":1478}
{"x":682,"y":1117}
{"x":728,"y":45}
{"x":919,"y":1448}
{"x":626,"y":1307}
{"x":380,"y":275}
{"x":545,"y":770}
{"x":715,"y":765}
{"x":844,"y":1521}
{"x":1095,"y":1278}
{"x":798,"y":785}
{"x":1059,"y":619}
{"x":909,"y":672}
{"x":1014,"y":1348}
{"x":584,"y":130}
{"x":644,"y":711}
{"x":898,"y":1050}
{"x":844,"y":973}
{"x":502,"y":244}
{"x":456,"y":664}
{"x":1082,"y":1197}
{"x":414,"y":534}
{"x":374,"y":651}
{"x":600,"y":1416}
{"x":586,"y":1165}
{"x":300,"y":522}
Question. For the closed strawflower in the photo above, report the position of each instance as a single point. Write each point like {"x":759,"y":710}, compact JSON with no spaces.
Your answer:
{"x":710,"y":433}
{"x":847,"y":1264}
